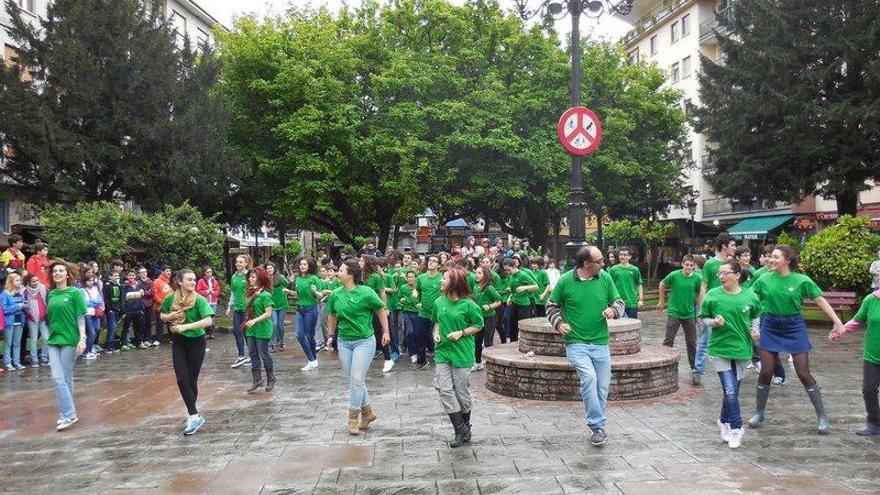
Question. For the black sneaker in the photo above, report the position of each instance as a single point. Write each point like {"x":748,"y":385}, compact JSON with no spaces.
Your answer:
{"x":598,"y":438}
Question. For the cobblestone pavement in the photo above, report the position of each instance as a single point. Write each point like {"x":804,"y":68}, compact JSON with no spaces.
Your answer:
{"x":129,"y":441}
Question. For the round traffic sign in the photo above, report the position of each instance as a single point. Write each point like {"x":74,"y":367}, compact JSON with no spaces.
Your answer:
{"x":580,"y":131}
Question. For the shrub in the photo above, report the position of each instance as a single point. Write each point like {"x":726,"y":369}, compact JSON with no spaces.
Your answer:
{"x":837,"y":257}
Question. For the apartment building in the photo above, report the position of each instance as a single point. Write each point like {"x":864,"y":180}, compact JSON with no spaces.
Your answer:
{"x":673,"y":34}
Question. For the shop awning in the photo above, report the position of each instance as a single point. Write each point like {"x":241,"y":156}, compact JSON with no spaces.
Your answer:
{"x":757,"y":228}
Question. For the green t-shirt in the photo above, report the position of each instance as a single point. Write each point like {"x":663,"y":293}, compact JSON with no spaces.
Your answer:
{"x":472,"y":279}
{"x":200,"y":310}
{"x":543,"y":281}
{"x":377,"y":283}
{"x":582,"y":303}
{"x":354,"y":311}
{"x":263,"y":329}
{"x":453,"y":316}
{"x":784,"y":296}
{"x":392,"y":305}
{"x":760,"y":271}
{"x":238,"y":286}
{"x":428,"y":288}
{"x":63,"y":307}
{"x":503,"y":287}
{"x":869,"y":314}
{"x":330,"y":285}
{"x":486,"y":296}
{"x":405,"y":299}
{"x":279,"y":298}
{"x":750,"y":279}
{"x":519,"y":279}
{"x":710,"y":273}
{"x":305,"y":298}
{"x":733,"y":340}
{"x":627,"y":279}
{"x":682,"y":294}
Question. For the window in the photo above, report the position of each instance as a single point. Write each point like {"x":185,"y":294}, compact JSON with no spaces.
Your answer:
{"x":203,"y":39}
{"x":654,"y":45}
{"x":674,"y":31}
{"x":686,"y":67}
{"x":688,"y":108}
{"x":634,"y":56}
{"x":676,"y":74}
{"x":29,"y":5}
{"x":685,"y":25}
{"x":179,"y":23}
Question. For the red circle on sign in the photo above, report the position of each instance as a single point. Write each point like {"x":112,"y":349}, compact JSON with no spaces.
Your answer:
{"x":579,"y":130}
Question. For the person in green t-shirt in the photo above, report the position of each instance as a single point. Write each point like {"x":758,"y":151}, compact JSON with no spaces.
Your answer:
{"x":394,"y":315}
{"x":743,"y":255}
{"x":410,"y":312}
{"x":237,"y":305}
{"x":628,"y":279}
{"x":579,"y":308}
{"x":868,"y":317}
{"x":725,"y":246}
{"x":258,"y":327}
{"x":351,"y":308}
{"x":458,"y":319}
{"x":65,"y":312}
{"x":308,"y":294}
{"x":427,"y":290}
{"x":489,"y":301}
{"x":732,"y":313}
{"x":783,"y":329}
{"x":537,"y":266}
{"x":683,"y":287}
{"x":521,"y":284}
{"x":280,"y":289}
{"x":189,"y":315}
{"x":374,"y":278}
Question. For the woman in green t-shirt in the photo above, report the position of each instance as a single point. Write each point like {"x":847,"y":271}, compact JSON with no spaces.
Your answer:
{"x":458,"y":319}
{"x":426,"y":292}
{"x":189,"y":314}
{"x":308,"y":295}
{"x":280,"y":289}
{"x":237,"y":305}
{"x":65,"y":312}
{"x":783,"y":329}
{"x":488,"y":300}
{"x":258,"y":327}
{"x":351,"y":309}
{"x":374,"y":278}
{"x":732,"y":313}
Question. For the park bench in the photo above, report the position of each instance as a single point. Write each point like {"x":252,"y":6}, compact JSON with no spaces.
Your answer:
{"x":841,"y":302}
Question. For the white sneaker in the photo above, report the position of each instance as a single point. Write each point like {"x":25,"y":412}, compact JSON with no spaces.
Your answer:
{"x":725,"y":430}
{"x":309,"y":367}
{"x":67,"y":423}
{"x":777,"y":381}
{"x":90,"y":356}
{"x":478,"y":367}
{"x":414,"y":359}
{"x":388,"y":365}
{"x":735,"y":438}
{"x":156,"y":343}
{"x":750,"y":366}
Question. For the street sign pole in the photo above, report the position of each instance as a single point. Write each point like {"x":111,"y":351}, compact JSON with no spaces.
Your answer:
{"x":576,"y":206}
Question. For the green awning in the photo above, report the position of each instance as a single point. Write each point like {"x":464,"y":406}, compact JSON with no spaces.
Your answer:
{"x":758,"y":227}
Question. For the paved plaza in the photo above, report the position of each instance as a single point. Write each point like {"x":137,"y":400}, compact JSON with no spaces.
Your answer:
{"x":128,"y":440}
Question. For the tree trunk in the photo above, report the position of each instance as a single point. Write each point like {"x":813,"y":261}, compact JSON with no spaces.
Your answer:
{"x":384,"y":230}
{"x":396,"y":237}
{"x":282,"y":238}
{"x":656,"y":262}
{"x":847,"y":202}
{"x":226,"y":264}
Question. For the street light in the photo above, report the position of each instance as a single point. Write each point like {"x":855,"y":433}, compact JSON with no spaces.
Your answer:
{"x":692,"y":209}
{"x":554,"y":10}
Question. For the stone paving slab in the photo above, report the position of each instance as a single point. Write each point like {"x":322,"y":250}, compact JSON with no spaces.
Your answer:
{"x":295,"y":441}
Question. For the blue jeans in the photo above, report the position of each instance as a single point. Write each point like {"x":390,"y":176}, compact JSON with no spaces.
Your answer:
{"x":593,"y":365}
{"x":423,"y":334}
{"x":702,"y":351}
{"x":506,"y":316}
{"x":61,"y":361}
{"x":93,"y":327}
{"x":356,"y":356}
{"x":410,"y":320}
{"x":38,"y":332}
{"x":111,"y":316}
{"x":237,"y":321}
{"x":260,"y":354}
{"x":306,"y":319}
{"x":730,"y":384}
{"x":12,"y":344}
{"x":631,"y":312}
{"x":278,"y":316}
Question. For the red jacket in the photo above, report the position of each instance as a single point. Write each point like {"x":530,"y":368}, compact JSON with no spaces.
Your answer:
{"x":39,"y":266}
{"x":209,"y":290}
{"x":161,"y":290}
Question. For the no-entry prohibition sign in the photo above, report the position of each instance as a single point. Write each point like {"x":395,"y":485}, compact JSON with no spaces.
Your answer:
{"x":580,"y":131}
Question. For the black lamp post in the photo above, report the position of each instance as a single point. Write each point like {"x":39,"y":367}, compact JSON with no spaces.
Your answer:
{"x":556,"y":9}
{"x":692,"y":209}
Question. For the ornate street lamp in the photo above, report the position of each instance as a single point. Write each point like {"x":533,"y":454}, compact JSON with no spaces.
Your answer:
{"x":555,"y":10}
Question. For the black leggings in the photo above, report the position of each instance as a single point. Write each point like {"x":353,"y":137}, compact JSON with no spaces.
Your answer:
{"x":377,"y":333}
{"x":518,"y":313}
{"x":187,"y":354}
{"x":485,"y":338}
{"x":870,"y":383}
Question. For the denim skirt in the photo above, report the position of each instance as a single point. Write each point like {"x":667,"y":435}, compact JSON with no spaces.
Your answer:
{"x":784,"y":334}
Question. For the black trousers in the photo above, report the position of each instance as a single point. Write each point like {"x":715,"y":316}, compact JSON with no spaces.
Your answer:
{"x":187,"y":355}
{"x":135,"y":320}
{"x":870,"y":383}
{"x":377,"y":333}
{"x":485,"y":338}
{"x":518,"y":313}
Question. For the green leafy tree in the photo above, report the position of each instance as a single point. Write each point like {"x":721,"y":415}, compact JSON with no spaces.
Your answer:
{"x":789,"y":240}
{"x":794,"y":106}
{"x":655,"y":234}
{"x":837,"y":257}
{"x":621,"y":232}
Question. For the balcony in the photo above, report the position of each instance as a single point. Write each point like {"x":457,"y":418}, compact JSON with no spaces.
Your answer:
{"x":652,"y":18}
{"x":726,"y":206}
{"x":708,"y":29}
{"x":708,"y":165}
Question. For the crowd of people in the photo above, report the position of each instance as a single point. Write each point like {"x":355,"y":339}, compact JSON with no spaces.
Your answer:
{"x":449,"y":306}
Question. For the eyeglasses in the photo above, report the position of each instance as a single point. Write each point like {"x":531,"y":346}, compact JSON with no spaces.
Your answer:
{"x":721,"y":274}
{"x":598,"y":261}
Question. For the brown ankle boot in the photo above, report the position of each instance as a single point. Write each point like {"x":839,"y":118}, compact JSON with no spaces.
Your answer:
{"x":367,"y":417}
{"x":353,"y":421}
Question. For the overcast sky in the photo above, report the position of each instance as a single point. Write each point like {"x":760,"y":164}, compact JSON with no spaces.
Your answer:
{"x":608,"y":27}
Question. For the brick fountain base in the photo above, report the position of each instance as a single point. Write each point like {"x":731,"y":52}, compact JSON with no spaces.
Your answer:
{"x":637,"y":371}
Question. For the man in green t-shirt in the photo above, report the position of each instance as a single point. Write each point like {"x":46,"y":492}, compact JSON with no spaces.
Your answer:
{"x":579,"y":308}
{"x":725,"y":246}
{"x":628,"y":280}
{"x":683,"y":287}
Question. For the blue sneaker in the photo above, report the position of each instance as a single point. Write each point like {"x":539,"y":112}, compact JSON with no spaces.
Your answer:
{"x":193,"y":426}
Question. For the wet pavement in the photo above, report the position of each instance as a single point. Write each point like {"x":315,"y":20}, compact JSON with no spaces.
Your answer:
{"x":295,"y":441}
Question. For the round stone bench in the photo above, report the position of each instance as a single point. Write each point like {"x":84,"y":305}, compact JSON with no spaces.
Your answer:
{"x":536,"y":335}
{"x":650,"y":373}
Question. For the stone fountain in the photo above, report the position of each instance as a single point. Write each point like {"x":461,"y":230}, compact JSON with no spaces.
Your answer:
{"x":536,"y":367}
